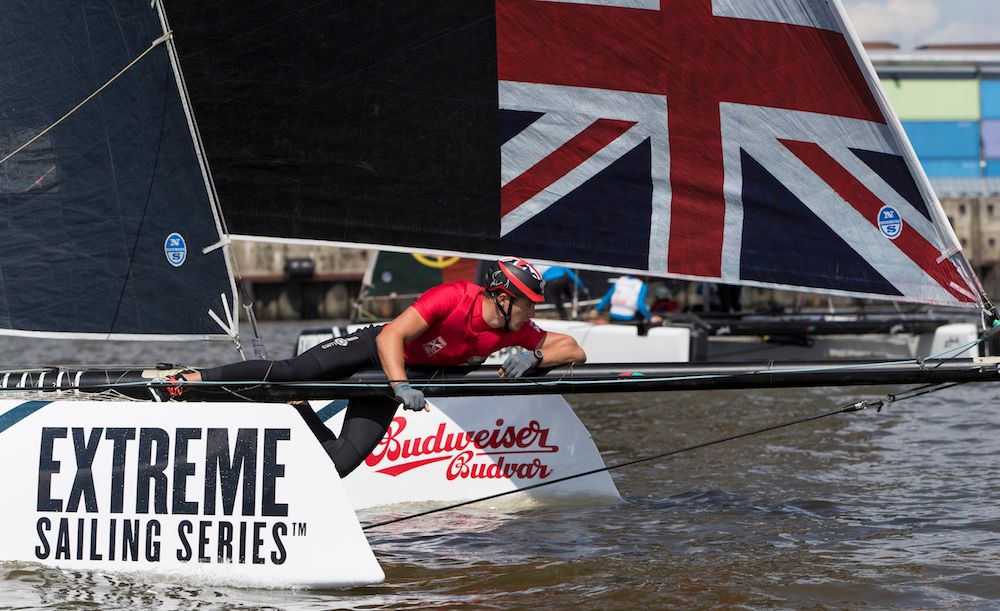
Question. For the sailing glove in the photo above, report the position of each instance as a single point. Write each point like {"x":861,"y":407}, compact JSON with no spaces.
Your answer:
{"x":411,"y":398}
{"x":519,"y":363}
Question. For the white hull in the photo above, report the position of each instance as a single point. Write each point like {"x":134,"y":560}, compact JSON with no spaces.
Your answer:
{"x":158,"y":488}
{"x":870,"y":346}
{"x":607,"y":343}
{"x":472,"y":447}
{"x":602,"y":343}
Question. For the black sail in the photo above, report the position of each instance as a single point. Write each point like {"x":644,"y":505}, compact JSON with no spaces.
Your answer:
{"x":106,"y":215}
{"x":364,"y":122}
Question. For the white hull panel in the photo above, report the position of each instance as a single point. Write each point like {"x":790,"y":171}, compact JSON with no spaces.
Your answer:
{"x":942,"y":343}
{"x":603,"y":343}
{"x":472,"y":447}
{"x":608,"y":343}
{"x":223,"y":493}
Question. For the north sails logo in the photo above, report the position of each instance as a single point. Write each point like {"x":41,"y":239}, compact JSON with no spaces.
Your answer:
{"x":482,"y":454}
{"x":434,"y":346}
{"x":175,"y":249}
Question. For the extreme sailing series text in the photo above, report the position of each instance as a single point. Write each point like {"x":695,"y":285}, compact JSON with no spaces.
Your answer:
{"x":138,"y":494}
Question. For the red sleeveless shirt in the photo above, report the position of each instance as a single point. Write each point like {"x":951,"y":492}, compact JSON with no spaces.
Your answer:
{"x":458,"y":335}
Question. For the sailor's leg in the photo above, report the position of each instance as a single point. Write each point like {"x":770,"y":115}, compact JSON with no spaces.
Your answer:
{"x":642,"y":325}
{"x":312,"y":420}
{"x":365,"y":424}
{"x":332,"y":359}
{"x":556,"y":292}
{"x":301,"y":367}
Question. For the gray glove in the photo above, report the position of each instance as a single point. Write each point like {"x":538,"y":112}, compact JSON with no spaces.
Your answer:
{"x":412,"y":398}
{"x":519,"y":363}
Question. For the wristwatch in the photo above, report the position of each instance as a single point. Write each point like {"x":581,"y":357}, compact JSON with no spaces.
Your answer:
{"x":538,"y":355}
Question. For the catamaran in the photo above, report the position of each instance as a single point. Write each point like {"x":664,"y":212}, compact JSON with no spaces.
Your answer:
{"x":745,"y":142}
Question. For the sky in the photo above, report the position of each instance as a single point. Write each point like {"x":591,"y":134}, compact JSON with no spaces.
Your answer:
{"x":910,"y":23}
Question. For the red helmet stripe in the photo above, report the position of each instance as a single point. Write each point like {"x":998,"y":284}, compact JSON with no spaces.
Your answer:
{"x":530,"y":294}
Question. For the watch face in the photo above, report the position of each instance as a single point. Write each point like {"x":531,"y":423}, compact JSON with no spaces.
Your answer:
{"x":538,"y":354}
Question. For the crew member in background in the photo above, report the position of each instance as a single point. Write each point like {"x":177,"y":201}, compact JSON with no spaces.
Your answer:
{"x":452,"y":324}
{"x":627,"y":299}
{"x":663,"y":300}
{"x":718,"y":297}
{"x":559,"y":284}
{"x":730,"y":297}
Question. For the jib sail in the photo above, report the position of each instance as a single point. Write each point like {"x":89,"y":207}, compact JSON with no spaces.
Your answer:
{"x":106,"y":208}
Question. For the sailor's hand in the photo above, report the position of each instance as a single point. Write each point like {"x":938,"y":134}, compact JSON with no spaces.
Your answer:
{"x":411,"y":398}
{"x":518,"y":364}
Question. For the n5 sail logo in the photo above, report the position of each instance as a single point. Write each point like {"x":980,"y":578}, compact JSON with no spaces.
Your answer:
{"x":175,"y":249}
{"x":136,"y":494}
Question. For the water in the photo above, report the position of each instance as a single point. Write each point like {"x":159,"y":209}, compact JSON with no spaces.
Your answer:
{"x":892,"y":509}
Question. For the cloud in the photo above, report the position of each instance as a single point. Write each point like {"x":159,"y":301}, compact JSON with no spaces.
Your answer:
{"x":964,"y":31}
{"x":894,"y":20}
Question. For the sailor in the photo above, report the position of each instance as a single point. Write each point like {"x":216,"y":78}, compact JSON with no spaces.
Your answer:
{"x":627,"y":298}
{"x":453,"y":324}
{"x":559,"y":284}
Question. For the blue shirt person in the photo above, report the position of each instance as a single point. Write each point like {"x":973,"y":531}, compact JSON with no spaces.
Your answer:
{"x":559,"y":285}
{"x":627,"y":301}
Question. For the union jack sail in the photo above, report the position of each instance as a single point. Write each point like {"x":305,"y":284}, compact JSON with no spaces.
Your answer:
{"x":742,"y":141}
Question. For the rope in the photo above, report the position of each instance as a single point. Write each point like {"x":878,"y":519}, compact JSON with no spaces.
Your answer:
{"x":152,"y":46}
{"x":878,"y":404}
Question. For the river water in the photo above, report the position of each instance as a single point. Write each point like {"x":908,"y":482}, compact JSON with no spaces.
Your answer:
{"x":893,"y":509}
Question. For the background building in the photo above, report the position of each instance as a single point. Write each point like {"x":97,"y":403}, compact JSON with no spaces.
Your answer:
{"x":948,"y":100}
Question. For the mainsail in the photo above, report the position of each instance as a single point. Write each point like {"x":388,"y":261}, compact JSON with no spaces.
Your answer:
{"x":106,"y":213}
{"x":743,"y":141}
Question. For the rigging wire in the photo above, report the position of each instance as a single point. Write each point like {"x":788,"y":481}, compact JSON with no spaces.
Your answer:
{"x":877,"y":404}
{"x":127,"y":276}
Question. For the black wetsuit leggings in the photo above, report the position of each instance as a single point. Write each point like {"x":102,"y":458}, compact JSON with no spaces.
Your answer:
{"x":366,"y":420}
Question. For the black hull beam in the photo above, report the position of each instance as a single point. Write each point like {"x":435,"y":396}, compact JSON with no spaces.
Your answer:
{"x":483,"y":381}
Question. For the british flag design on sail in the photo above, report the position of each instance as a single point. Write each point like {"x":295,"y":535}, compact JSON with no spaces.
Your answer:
{"x":735,"y":140}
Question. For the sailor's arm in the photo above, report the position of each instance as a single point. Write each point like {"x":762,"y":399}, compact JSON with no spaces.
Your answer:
{"x":560,"y":349}
{"x":390,"y":341}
